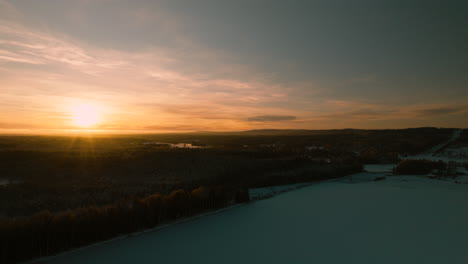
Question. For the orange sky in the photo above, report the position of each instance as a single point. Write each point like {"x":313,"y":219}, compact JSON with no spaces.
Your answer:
{"x":48,"y":71}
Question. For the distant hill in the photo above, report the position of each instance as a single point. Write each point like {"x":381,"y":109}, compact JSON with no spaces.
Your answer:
{"x":305,"y":132}
{"x":276,"y":132}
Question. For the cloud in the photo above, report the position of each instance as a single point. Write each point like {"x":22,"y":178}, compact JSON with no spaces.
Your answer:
{"x":184,"y":87}
{"x":7,"y":10}
{"x":377,"y":113}
{"x":176,"y":89}
{"x":19,"y":44}
{"x":271,"y":118}
{"x":17,"y":126}
{"x":357,"y":113}
{"x":176,"y":128}
{"x":444,"y":110}
{"x":154,"y":70}
{"x":198,"y":111}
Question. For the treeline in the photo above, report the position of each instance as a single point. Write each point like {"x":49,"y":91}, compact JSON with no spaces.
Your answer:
{"x":303,"y":173}
{"x":57,"y":181}
{"x":409,"y":141}
{"x":89,"y":181}
{"x":49,"y":233}
{"x":385,"y":146}
{"x":415,"y":167}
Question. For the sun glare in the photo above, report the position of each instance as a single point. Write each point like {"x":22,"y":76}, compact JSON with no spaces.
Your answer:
{"x":85,"y":115}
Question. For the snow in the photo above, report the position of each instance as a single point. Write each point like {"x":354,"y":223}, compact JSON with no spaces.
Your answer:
{"x":456,"y":134}
{"x":403,"y":219}
{"x":265,"y":192}
{"x":461,"y":179}
{"x":379,"y":167}
{"x":459,"y":155}
{"x":462,"y":171}
{"x":178,"y":145}
{"x":437,"y":158}
{"x":456,"y":155}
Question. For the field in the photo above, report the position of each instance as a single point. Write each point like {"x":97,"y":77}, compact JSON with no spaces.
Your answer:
{"x":402,"y":219}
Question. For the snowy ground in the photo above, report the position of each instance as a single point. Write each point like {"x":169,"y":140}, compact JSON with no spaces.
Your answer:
{"x":437,"y":158}
{"x":456,"y":134}
{"x":265,"y":192}
{"x":455,"y":153}
{"x":371,"y":172}
{"x":356,"y":219}
{"x":459,"y":155}
{"x":379,"y":167}
{"x":402,"y":219}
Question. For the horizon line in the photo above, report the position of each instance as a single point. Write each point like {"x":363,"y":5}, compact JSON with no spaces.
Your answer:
{"x":72,"y":132}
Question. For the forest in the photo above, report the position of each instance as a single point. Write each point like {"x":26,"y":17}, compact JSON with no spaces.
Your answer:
{"x":47,"y":233}
{"x":68,"y":191}
{"x":420,"y":167}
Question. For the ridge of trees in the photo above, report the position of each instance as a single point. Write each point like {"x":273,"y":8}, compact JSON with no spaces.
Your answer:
{"x":419,"y":167}
{"x":47,"y":233}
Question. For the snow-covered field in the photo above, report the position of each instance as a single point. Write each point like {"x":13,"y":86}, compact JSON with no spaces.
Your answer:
{"x":456,"y":134}
{"x":404,"y":219}
{"x":379,"y":167}
{"x":265,"y":192}
{"x":442,"y":157}
{"x":356,"y":219}
{"x":455,"y":154}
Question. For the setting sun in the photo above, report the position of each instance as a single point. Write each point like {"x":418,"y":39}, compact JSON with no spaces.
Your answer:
{"x":85,"y":115}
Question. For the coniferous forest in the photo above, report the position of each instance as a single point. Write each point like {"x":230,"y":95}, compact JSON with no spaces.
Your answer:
{"x":67,"y":192}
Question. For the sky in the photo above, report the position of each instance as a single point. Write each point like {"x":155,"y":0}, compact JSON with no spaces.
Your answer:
{"x":223,"y":65}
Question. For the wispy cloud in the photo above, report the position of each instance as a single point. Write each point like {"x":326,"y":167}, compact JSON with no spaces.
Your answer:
{"x":271,"y":118}
{"x":24,"y":45}
{"x":441,"y":110}
{"x":362,"y":112}
{"x":156,"y":87}
{"x":174,"y":85}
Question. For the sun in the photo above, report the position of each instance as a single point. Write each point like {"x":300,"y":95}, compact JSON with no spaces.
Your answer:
{"x":85,"y":115}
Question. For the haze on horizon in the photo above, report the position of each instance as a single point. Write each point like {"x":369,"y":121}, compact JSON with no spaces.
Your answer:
{"x":218,"y":65}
